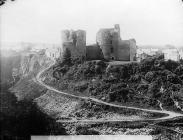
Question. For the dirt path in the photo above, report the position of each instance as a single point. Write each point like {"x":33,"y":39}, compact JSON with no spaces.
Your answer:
{"x":168,"y":114}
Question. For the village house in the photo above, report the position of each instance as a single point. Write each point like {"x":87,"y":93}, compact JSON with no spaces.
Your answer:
{"x":143,"y":53}
{"x":171,"y":54}
{"x":53,"y":52}
{"x":181,"y":53}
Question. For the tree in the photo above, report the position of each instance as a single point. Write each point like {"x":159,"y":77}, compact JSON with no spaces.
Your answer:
{"x":179,"y":70}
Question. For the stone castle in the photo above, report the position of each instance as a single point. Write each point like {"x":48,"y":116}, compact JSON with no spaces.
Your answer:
{"x":109,"y":45}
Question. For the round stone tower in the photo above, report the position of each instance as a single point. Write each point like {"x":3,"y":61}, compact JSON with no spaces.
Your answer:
{"x":104,"y":40}
{"x":81,"y":42}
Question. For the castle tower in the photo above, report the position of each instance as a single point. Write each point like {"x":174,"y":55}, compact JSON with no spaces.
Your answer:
{"x":104,"y":40}
{"x":108,"y":40}
{"x":117,"y":29}
{"x":75,"y":41}
{"x":81,"y":42}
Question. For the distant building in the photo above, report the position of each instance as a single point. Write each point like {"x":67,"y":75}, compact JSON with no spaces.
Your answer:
{"x":149,"y":51}
{"x":181,"y":53}
{"x":141,"y":56}
{"x":143,"y":53}
{"x":53,"y":53}
{"x":171,"y":54}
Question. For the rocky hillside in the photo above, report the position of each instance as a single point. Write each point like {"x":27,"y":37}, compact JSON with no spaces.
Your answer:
{"x":26,"y":87}
{"x":31,"y":63}
{"x":153,"y":83}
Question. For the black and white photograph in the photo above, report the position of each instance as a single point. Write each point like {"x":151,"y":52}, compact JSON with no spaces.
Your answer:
{"x":91,"y":69}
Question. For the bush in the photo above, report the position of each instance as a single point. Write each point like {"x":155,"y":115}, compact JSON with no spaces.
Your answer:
{"x":173,"y":78}
{"x":171,"y":65}
{"x":149,"y":76}
{"x":142,"y":87}
{"x":156,"y":131}
{"x":146,"y":64}
{"x":120,"y":95}
{"x":85,"y":131}
{"x":179,"y":70}
{"x":81,"y":86}
{"x":135,"y":78}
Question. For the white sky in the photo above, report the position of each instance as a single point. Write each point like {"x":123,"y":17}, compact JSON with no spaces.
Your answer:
{"x":152,"y":22}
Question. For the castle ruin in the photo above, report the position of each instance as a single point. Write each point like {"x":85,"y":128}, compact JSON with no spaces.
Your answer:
{"x":109,"y":45}
{"x":113,"y":47}
{"x":75,"y":41}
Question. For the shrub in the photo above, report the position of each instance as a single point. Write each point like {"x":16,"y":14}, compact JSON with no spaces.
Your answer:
{"x":173,"y":78}
{"x":85,"y":131}
{"x":81,"y":86}
{"x":146,"y":64}
{"x":149,"y":76}
{"x":179,"y":70}
{"x":142,"y":87}
{"x":120,"y":95}
{"x":135,"y":78}
{"x":170,"y":65}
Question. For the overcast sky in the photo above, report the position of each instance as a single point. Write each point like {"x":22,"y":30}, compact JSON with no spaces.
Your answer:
{"x":150,"y":22}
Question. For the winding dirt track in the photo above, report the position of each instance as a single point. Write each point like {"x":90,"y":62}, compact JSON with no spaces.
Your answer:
{"x":168,"y":114}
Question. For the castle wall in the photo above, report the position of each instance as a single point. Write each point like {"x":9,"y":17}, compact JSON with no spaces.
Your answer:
{"x":123,"y":51}
{"x":94,"y":52}
{"x":81,"y":42}
{"x":127,"y":50}
{"x":106,"y":50}
{"x":115,"y":44}
{"x":133,"y":49}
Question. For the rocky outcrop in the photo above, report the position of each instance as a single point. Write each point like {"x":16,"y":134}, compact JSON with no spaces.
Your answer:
{"x":30,"y":65}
